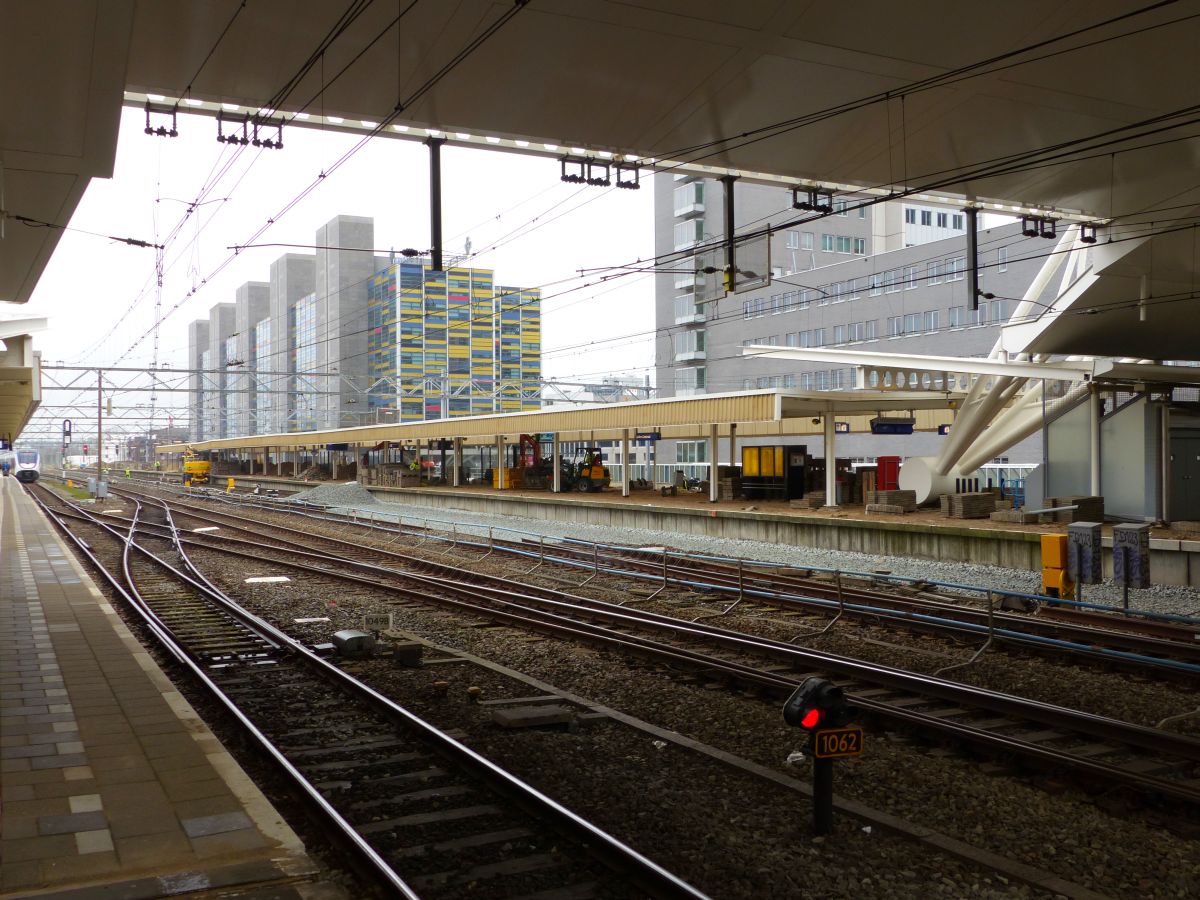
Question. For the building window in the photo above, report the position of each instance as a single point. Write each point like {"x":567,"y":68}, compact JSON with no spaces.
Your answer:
{"x":806,"y":240}
{"x":933,"y":273}
{"x":998,"y":312}
{"x":958,"y":221}
{"x":844,"y":244}
{"x":911,"y":279}
{"x":693,"y":451}
{"x":910,"y":216}
{"x":926,"y":217}
{"x":793,"y":240}
{"x":869,"y":330}
{"x":955,"y":268}
{"x":895,"y":326}
{"x":839,"y":334}
{"x":689,"y":233}
{"x":827,"y":243}
{"x":806,"y":381}
{"x":789,"y":381}
{"x":931,"y":320}
{"x":891,"y":281}
{"x":1002,"y":259}
{"x":839,"y":207}
{"x":792,"y":339}
{"x":875,"y":284}
{"x":912,"y":323}
{"x":690,"y":380}
{"x":941,"y":219}
{"x":854,"y":332}
{"x":689,"y":342}
{"x":689,"y":198}
{"x":956,"y":317}
{"x":860,"y":246}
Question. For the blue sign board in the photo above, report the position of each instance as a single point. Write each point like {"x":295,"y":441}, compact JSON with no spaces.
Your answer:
{"x":648,"y":436}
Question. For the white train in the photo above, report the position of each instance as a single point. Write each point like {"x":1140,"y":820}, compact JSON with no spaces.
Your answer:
{"x":27,"y":465}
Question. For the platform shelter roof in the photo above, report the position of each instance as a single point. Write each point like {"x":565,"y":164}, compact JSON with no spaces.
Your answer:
{"x":673,"y":417}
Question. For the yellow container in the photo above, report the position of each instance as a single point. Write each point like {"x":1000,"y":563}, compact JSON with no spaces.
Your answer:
{"x":766,"y":462}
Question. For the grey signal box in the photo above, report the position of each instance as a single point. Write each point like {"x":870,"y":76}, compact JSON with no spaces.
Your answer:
{"x":1084,"y":556}
{"x":1131,"y":555}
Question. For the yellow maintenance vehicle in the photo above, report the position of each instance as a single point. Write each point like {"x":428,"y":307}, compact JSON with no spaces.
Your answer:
{"x":588,"y":474}
{"x":197,"y":466}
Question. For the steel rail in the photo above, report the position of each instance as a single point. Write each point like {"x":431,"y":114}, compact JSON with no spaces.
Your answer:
{"x":515,"y":611}
{"x":641,"y":871}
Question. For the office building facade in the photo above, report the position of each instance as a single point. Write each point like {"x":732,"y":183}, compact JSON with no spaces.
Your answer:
{"x":451,"y":343}
{"x":887,"y":277}
{"x":344,"y":338}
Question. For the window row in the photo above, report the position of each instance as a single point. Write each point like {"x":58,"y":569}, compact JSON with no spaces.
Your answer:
{"x":930,"y":216}
{"x":822,"y":380}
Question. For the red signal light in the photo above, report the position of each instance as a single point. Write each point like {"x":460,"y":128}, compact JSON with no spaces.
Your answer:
{"x":811,"y":719}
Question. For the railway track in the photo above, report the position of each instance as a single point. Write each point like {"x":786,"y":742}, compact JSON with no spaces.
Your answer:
{"x":1129,"y":642}
{"x":423,"y":815}
{"x":1100,"y":750}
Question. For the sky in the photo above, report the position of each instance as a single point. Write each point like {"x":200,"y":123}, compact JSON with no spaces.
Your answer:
{"x":522,"y":221}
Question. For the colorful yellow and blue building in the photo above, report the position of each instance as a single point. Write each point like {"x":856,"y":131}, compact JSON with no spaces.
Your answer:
{"x":451,"y":343}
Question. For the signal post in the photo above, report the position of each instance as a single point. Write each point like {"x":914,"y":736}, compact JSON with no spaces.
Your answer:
{"x":819,"y":707}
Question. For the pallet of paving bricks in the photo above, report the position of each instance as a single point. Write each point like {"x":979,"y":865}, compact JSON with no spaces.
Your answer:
{"x":1091,"y":509}
{"x":905,"y":499}
{"x":1015,"y":516}
{"x":729,"y":488}
{"x":893,"y":509}
{"x":811,"y":500}
{"x":972,"y":506}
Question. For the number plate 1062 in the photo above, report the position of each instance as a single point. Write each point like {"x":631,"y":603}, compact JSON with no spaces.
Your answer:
{"x":838,"y":742}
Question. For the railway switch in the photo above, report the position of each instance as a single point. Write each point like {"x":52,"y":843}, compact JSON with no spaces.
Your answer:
{"x":820,"y":708}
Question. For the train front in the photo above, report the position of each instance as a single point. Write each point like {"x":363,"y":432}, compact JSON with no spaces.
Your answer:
{"x":27,"y":466}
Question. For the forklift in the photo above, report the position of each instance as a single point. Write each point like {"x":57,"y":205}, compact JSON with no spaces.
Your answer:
{"x":587,"y":474}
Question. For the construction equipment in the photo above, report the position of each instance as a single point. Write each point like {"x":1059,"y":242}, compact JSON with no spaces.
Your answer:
{"x":197,"y":466}
{"x":588,"y":474}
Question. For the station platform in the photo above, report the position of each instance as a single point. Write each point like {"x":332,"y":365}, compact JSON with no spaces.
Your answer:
{"x":110,"y":784}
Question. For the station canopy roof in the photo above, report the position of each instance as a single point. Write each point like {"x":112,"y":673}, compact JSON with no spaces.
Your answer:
{"x":871,"y":94}
{"x":1081,"y":106}
{"x":754,"y":412}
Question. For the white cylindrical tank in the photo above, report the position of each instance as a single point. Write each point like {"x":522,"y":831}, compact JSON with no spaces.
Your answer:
{"x":917,"y":474}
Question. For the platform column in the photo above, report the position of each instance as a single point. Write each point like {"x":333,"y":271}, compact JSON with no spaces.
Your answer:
{"x":624,"y":462}
{"x":733,"y":443}
{"x":712,"y":463}
{"x":1094,"y":403}
{"x":458,"y":461}
{"x":830,"y":465}
{"x":500,"y":462}
{"x":296,"y":464}
{"x":556,"y":462}
{"x":278,"y":462}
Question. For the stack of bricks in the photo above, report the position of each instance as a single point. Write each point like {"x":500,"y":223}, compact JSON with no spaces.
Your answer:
{"x":971,"y":506}
{"x":811,"y":500}
{"x":729,"y":488}
{"x":1016,"y":516}
{"x":1091,"y":509}
{"x":893,"y":509}
{"x":906,"y":500}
